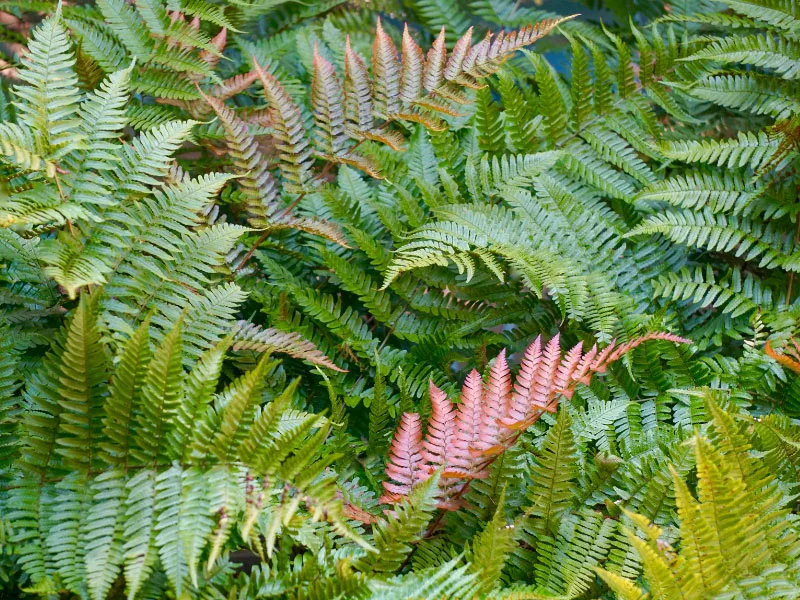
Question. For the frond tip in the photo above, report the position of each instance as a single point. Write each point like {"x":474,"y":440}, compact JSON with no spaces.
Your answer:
{"x":464,"y":440}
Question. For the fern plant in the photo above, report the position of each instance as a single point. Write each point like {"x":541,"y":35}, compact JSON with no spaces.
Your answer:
{"x":189,"y":188}
{"x":742,"y":64}
{"x":735,"y":538}
{"x":145,"y":467}
{"x":465,"y":440}
{"x":126,"y":217}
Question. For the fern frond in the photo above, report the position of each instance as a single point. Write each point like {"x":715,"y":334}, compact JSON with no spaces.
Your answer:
{"x":728,"y":192}
{"x":49,"y":96}
{"x":259,"y":188}
{"x":405,"y":467}
{"x":17,"y":144}
{"x":327,"y":98}
{"x":553,"y":479}
{"x":778,"y":13}
{"x":448,"y":580}
{"x":386,"y":71}
{"x":128,"y":27}
{"x":82,"y":375}
{"x":291,"y":135}
{"x":719,"y":551}
{"x":402,"y":526}
{"x":162,"y":394}
{"x":248,"y":336}
{"x":747,"y":149}
{"x":9,"y":384}
{"x":731,"y":294}
{"x":721,"y":233}
{"x":491,"y":547}
{"x":488,"y":421}
{"x":755,"y":93}
{"x":624,"y":588}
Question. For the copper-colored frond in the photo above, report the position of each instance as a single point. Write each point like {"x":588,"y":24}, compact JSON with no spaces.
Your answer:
{"x":233,"y":85}
{"x":292,"y":139}
{"x":453,"y":67}
{"x":405,"y":467}
{"x":259,"y":188}
{"x":441,"y":425}
{"x":788,"y":359}
{"x":327,"y":102}
{"x":468,"y":422}
{"x":357,"y":91}
{"x":386,"y":71}
{"x":435,"y":63}
{"x":413,"y":67}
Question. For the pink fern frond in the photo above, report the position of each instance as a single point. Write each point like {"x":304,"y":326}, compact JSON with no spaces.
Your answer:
{"x":496,"y":404}
{"x":468,"y":423}
{"x":569,"y":365}
{"x":465,"y":440}
{"x":406,"y":466}
{"x":520,"y":397}
{"x":441,"y":427}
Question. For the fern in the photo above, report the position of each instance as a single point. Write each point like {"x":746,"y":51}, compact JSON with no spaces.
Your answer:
{"x":466,"y":440}
{"x":140,"y":491}
{"x":712,"y":559}
{"x":192,"y":189}
{"x":394,"y":535}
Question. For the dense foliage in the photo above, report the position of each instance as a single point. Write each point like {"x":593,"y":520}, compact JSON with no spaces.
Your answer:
{"x":267,"y":268}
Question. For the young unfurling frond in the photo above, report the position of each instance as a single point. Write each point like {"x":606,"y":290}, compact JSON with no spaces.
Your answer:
{"x":490,"y":416}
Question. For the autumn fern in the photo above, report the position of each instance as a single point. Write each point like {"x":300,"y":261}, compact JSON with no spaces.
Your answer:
{"x":490,"y":416}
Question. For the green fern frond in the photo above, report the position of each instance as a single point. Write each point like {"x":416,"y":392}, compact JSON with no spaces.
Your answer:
{"x":553,"y":479}
{"x":732,"y":294}
{"x":9,"y":384}
{"x":491,"y":547}
{"x":18,"y":146}
{"x":49,"y":94}
{"x":755,"y":93}
{"x":778,"y":54}
{"x":128,"y":27}
{"x":448,"y":580}
{"x":727,"y":192}
{"x":719,"y":551}
{"x":778,"y":13}
{"x":747,"y":149}
{"x":402,"y":527}
{"x":742,"y":237}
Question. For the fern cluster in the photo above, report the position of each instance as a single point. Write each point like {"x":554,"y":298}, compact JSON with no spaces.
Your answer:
{"x":284,"y":288}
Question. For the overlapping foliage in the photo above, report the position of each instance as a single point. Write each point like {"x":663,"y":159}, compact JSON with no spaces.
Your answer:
{"x":250,"y":250}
